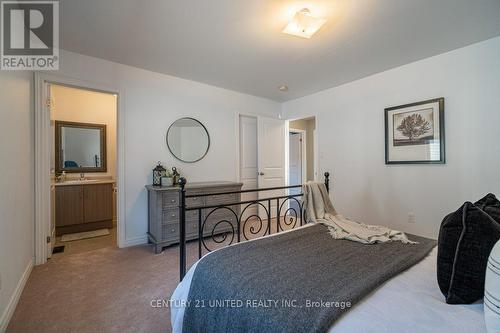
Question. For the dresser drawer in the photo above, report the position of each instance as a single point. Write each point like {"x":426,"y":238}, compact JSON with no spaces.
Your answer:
{"x":170,"y":199}
{"x":193,"y":215}
{"x":195,"y":201}
{"x":220,"y":218}
{"x":225,"y":212}
{"x":170,"y":232}
{"x":170,"y":215}
{"x":222,"y":199}
{"x":192,"y":229}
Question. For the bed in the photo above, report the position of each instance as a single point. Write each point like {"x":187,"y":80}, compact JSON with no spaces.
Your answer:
{"x":409,"y":302}
{"x":304,"y":280}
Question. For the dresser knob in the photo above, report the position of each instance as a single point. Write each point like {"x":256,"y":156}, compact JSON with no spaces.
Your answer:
{"x":173,"y":200}
{"x":173,"y":215}
{"x":173,"y":230}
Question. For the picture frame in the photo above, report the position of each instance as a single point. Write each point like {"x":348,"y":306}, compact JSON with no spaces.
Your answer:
{"x":415,"y":133}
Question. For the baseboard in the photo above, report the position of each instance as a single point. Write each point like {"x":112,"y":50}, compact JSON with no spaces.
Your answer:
{"x":136,"y":241}
{"x":14,"y":299}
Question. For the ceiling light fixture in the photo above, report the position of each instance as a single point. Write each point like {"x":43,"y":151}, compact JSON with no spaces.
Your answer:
{"x":283,"y":88}
{"x":303,"y":24}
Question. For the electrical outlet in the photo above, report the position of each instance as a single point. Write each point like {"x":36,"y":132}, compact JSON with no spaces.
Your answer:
{"x":411,"y":218}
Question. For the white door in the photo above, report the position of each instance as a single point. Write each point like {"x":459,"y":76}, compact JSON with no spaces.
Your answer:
{"x":248,"y":162}
{"x":271,"y":159}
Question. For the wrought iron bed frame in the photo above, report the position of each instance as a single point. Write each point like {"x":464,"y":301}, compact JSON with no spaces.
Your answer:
{"x":294,"y":217}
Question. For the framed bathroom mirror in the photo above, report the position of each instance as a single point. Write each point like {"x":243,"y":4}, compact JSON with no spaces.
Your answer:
{"x":80,"y":147}
{"x":188,"y":140}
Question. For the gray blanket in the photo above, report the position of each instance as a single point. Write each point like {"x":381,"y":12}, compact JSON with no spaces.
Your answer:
{"x":300,"y":281}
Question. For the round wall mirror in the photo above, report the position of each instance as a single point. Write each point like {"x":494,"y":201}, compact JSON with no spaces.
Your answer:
{"x":188,"y":140}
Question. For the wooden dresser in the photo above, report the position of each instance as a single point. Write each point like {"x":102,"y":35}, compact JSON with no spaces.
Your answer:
{"x":83,"y":206}
{"x":163,"y":212}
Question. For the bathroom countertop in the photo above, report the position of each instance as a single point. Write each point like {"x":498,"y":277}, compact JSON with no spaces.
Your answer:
{"x":84,"y":182}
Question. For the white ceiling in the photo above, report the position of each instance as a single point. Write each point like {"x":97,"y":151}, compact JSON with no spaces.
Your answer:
{"x":238,"y":44}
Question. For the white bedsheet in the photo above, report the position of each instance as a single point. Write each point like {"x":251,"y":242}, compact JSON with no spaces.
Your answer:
{"x":410,"y":302}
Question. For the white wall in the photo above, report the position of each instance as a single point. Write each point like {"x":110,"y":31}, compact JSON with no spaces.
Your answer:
{"x":151,"y":102}
{"x":350,"y":122}
{"x":16,"y":185}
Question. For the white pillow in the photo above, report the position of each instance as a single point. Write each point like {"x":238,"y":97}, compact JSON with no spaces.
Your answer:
{"x":492,"y":291}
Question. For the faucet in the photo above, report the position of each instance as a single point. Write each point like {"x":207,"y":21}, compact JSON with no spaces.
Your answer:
{"x":82,"y":176}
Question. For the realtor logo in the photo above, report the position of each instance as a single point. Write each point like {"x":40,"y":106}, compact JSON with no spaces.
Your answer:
{"x":30,"y":35}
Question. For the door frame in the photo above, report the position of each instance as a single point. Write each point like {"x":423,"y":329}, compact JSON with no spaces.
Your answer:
{"x":303,"y":157}
{"x":42,"y":157}
{"x":316,"y":153}
{"x":316,"y":161}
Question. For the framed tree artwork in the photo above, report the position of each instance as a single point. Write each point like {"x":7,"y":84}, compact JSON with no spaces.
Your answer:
{"x":414,"y":133}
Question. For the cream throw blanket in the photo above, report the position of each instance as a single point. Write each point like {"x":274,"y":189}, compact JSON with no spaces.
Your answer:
{"x":319,"y":208}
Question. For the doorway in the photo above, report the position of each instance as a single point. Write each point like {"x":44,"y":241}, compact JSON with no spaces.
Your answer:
{"x":45,"y":226}
{"x":301,"y":166}
{"x":302,"y":151}
{"x":83,"y":169}
{"x":297,"y":172}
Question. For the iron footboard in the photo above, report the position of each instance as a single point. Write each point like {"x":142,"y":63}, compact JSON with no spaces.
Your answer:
{"x":283,"y":212}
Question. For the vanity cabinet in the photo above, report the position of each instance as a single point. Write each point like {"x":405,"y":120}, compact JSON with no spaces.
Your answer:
{"x":84,"y":207}
{"x":163,"y":211}
{"x":97,"y":203}
{"x":69,"y":205}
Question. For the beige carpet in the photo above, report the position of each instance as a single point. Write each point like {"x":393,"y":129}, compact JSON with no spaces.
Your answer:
{"x":105,"y":290}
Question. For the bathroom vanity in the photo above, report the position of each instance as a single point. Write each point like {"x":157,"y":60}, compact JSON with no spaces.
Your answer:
{"x":83,"y":205}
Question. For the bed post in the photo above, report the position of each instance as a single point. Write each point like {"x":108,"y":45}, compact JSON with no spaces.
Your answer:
{"x":327,"y":181}
{"x":182,"y":229}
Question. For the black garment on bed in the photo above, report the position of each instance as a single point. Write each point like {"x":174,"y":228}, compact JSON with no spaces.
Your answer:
{"x":299,"y":266}
{"x":466,"y":238}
